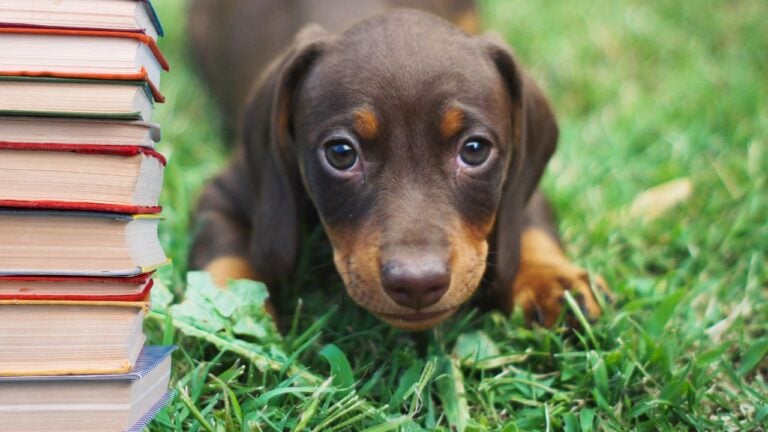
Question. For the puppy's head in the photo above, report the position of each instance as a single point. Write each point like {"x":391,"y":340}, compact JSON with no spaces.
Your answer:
{"x":407,"y":135}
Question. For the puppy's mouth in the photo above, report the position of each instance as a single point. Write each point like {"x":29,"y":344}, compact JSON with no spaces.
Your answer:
{"x":417,"y":320}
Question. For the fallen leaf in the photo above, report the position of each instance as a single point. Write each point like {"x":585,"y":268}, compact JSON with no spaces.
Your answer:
{"x":656,"y":201}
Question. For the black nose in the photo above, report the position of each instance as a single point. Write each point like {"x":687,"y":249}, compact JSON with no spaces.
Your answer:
{"x":417,"y":282}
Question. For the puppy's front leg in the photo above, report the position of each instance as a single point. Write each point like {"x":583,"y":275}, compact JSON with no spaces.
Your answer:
{"x":545,"y":273}
{"x":220,"y":246}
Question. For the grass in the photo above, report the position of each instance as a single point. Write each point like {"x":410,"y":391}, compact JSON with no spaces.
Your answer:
{"x":646,"y":92}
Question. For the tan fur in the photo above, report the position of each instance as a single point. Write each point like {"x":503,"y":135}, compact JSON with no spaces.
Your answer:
{"x":226,"y":268}
{"x":357,"y":260}
{"x":544,"y":275}
{"x":452,"y":122}
{"x":469,"y":22}
{"x":366,"y":123}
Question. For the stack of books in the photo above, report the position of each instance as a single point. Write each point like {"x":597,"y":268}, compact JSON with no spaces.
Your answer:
{"x":80,"y":183}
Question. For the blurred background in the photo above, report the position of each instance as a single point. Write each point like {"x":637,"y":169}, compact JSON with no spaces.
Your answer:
{"x":646,"y":92}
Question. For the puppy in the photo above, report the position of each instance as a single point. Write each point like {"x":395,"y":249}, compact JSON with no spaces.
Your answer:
{"x":419,"y":149}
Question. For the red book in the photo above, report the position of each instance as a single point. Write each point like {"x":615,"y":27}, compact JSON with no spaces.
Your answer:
{"x":75,"y":131}
{"x":121,"y":179}
{"x":74,"y":288}
{"x":71,"y":53}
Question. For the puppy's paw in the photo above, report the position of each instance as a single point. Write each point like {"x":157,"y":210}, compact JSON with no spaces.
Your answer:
{"x":539,"y":290}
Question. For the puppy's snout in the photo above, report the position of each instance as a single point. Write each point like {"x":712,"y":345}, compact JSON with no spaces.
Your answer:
{"x":416,"y":282}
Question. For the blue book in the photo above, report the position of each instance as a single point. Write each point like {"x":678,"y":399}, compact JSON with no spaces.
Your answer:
{"x":83,"y":403}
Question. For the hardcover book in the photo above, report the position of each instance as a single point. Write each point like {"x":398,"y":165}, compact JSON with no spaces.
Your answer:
{"x":66,"y":97}
{"x":118,"y":15}
{"x":89,"y":403}
{"x":78,"y":243}
{"x":134,"y":288}
{"x":75,"y":131}
{"x":106,"y":178}
{"x":86,"y":54}
{"x":64,"y":337}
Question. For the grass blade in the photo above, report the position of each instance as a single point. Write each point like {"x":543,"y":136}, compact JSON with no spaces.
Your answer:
{"x":658,"y":320}
{"x":315,"y":400}
{"x":450,"y":388}
{"x":389,"y":425}
{"x":340,"y":368}
{"x":753,"y":356}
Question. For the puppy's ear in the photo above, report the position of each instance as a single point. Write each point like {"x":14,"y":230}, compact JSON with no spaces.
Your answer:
{"x":535,"y":133}
{"x":267,"y":135}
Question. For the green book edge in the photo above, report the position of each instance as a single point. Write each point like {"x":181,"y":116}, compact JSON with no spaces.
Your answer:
{"x":80,"y":115}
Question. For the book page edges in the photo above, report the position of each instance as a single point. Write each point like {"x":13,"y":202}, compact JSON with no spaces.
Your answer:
{"x":152,"y":412}
{"x":142,"y":75}
{"x":156,"y":266}
{"x":143,"y":304}
{"x":154,"y":17}
{"x":119,"y":150}
{"x":130,"y":116}
{"x":138,"y":297}
{"x":141,"y":37}
{"x":125,"y":367}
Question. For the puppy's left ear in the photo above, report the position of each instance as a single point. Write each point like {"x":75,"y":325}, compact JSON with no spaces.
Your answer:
{"x":277,"y":197}
{"x":534,"y":124}
{"x":535,"y":134}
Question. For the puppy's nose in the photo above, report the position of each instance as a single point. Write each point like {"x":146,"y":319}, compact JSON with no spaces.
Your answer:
{"x":415,"y":283}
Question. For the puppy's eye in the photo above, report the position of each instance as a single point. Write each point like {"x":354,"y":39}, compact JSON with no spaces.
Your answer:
{"x":340,"y":155}
{"x":475,"y":151}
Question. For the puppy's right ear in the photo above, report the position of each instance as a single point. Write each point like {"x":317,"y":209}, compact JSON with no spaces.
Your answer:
{"x":267,"y":136}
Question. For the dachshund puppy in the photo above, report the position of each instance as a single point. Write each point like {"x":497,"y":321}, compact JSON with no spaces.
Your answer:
{"x":419,"y":149}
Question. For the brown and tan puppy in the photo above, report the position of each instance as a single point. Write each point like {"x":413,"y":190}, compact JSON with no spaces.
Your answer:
{"x":418,"y":147}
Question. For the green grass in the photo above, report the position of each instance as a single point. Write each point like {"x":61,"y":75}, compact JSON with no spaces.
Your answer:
{"x":645,"y":92}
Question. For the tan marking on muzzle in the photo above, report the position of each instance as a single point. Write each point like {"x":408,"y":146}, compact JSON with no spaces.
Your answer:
{"x":357,"y":258}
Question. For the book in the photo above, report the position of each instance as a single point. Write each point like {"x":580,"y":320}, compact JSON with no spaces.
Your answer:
{"x":137,"y":15}
{"x":74,"y":131}
{"x":64,"y":337}
{"x":133,"y":288}
{"x":117,"y":179}
{"x":66,"y":97}
{"x":89,"y":54}
{"x":78,"y":243}
{"x":86,"y":403}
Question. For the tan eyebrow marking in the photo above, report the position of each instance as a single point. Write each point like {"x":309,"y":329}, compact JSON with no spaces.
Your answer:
{"x":366,"y":123}
{"x":452,"y":122}
{"x":469,"y":22}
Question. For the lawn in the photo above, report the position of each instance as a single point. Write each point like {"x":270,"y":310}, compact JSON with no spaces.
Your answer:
{"x":646,"y":92}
